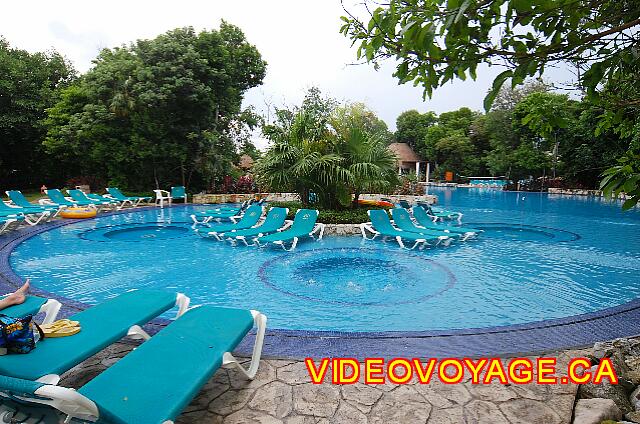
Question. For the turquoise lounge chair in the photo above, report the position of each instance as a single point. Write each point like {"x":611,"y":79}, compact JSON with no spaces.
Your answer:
{"x":105,"y":200}
{"x":248,"y":220}
{"x":35,"y":305}
{"x":155,"y":382}
{"x":380,"y":225}
{"x":6,"y":222}
{"x":80,"y":196}
{"x":102,"y":325}
{"x":134,"y":201}
{"x":403,"y":204}
{"x":304,"y":225}
{"x":18,"y":199}
{"x":225,"y":212}
{"x":426,"y":221}
{"x":402,"y":219}
{"x":31,"y":216}
{"x":57,"y":198}
{"x":442,"y":214}
{"x":276,"y":220}
{"x":179,"y":192}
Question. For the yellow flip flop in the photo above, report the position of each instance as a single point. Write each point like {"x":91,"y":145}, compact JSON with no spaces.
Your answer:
{"x":60,"y":328}
{"x":60,"y":323}
{"x":62,"y":332}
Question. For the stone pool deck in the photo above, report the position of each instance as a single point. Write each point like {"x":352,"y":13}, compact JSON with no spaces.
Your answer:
{"x":282,"y":393}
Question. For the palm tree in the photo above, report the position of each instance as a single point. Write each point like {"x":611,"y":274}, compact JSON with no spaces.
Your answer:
{"x":301,"y":160}
{"x":371,"y":164}
{"x":330,"y":155}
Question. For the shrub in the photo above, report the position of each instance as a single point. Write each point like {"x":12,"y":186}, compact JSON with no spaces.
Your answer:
{"x":242,"y":185}
{"x":329,"y":216}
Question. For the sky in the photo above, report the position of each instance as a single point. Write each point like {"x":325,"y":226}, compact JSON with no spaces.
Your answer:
{"x":299,"y":39}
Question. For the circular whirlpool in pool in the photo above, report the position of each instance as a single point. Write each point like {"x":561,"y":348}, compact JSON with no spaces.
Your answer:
{"x":357,"y":276}
{"x":147,"y":231}
{"x":524,"y":232}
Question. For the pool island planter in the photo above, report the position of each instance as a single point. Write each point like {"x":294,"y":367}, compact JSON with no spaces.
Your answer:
{"x":342,"y":229}
{"x":534,"y":337}
{"x":293,"y":197}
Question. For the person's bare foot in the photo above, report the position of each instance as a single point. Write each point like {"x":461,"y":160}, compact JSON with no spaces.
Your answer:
{"x":19,"y":295}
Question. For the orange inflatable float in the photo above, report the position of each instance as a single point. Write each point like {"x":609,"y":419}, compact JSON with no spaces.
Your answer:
{"x":78,"y":213}
{"x":380,"y":203}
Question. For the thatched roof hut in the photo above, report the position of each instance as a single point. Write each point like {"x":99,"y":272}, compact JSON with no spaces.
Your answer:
{"x":246,"y":162}
{"x":408,"y":160}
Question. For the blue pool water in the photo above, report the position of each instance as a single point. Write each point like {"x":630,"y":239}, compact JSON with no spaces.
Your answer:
{"x":541,"y":256}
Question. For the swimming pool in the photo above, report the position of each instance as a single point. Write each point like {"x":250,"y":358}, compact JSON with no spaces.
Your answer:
{"x":541,"y":257}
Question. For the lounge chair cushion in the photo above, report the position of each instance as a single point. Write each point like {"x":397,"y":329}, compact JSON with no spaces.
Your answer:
{"x":101,"y":325}
{"x":159,"y":379}
{"x":31,"y":305}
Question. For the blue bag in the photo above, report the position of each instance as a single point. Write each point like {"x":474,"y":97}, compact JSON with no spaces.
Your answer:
{"x":17,"y":334}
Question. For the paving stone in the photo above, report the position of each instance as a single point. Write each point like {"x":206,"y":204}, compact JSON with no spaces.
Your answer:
{"x":492,"y":392}
{"x":274,"y":398}
{"x":531,"y":391}
{"x":403,"y":405}
{"x":247,"y":416}
{"x":347,"y":414}
{"x":230,"y":401}
{"x":215,"y":387}
{"x":444,"y":395}
{"x":305,"y":419}
{"x":526,"y":411}
{"x":563,"y":405}
{"x":203,"y":417}
{"x":361,"y":396}
{"x":82,"y":377}
{"x":483,"y":412}
{"x":317,"y":400}
{"x":107,"y":362}
{"x":277,"y":363}
{"x":266,"y":373}
{"x":295,"y":373}
{"x":453,"y":415}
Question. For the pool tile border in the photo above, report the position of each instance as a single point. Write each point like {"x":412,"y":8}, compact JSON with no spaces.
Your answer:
{"x":530,"y":338}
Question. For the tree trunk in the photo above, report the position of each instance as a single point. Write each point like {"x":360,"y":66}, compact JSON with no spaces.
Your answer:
{"x":155,"y":176}
{"x":356,"y":196}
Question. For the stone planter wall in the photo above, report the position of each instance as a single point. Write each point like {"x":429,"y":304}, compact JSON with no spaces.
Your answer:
{"x":282,"y":197}
{"x":293,"y":197}
{"x":221,"y":198}
{"x":429,"y":198}
{"x":238,"y":198}
{"x":342,"y":229}
{"x":580,"y":192}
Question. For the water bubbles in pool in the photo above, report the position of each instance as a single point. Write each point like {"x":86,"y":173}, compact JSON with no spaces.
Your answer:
{"x":357,"y":276}
{"x":354,"y":286}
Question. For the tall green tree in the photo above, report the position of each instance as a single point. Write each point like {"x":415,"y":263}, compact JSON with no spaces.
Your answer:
{"x":547,"y":115}
{"x":359,"y":115}
{"x":29,"y":84}
{"x":412,"y":126}
{"x":160,"y":111}
{"x":450,"y":143}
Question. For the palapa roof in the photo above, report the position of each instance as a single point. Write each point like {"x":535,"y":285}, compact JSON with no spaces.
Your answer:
{"x":404,"y":152}
{"x":246,"y":162}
